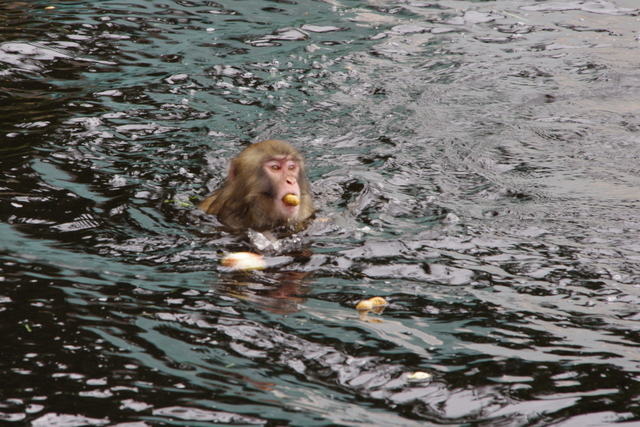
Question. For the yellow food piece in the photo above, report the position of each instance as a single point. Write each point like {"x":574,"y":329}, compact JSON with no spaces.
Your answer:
{"x":369,"y":304}
{"x":364,"y":305}
{"x":291,"y":200}
{"x":419,"y":376}
{"x":378,"y":301}
{"x":244,"y":261}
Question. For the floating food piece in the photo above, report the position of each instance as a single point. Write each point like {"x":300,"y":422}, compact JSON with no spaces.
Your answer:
{"x":291,"y":200}
{"x":375,"y":304}
{"x":419,"y":376}
{"x":244,"y":261}
{"x":370,"y":304}
{"x":377,"y":301}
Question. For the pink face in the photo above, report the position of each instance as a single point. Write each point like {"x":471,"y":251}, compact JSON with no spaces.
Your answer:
{"x":284,"y":173}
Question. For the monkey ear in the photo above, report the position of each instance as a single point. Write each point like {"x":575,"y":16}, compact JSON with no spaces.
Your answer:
{"x":233,"y":169}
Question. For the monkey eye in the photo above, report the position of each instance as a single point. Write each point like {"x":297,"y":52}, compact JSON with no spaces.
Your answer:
{"x":292,"y":167}
{"x":275,"y":167}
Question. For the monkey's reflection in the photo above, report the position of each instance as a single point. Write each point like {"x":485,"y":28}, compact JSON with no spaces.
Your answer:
{"x":279,"y":292}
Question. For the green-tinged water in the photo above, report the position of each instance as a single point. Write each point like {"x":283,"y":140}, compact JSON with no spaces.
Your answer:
{"x":478,"y":163}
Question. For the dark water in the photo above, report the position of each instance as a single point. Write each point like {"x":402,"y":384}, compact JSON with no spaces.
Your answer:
{"x":480,"y":162}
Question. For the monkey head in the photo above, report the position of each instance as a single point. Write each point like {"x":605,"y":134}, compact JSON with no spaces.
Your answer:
{"x":266,"y":189}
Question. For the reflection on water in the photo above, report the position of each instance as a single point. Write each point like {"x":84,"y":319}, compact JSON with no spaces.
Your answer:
{"x":477,"y":164}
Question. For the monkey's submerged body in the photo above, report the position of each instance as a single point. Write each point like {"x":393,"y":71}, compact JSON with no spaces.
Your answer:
{"x":266,"y":189}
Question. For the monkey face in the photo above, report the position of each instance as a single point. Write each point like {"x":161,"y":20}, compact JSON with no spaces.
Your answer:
{"x":283,"y":174}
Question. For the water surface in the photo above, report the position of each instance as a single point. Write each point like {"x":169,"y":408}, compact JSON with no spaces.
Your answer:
{"x":478,"y":162}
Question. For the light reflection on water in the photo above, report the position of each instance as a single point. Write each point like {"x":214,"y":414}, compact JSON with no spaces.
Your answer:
{"x":478,"y":162}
